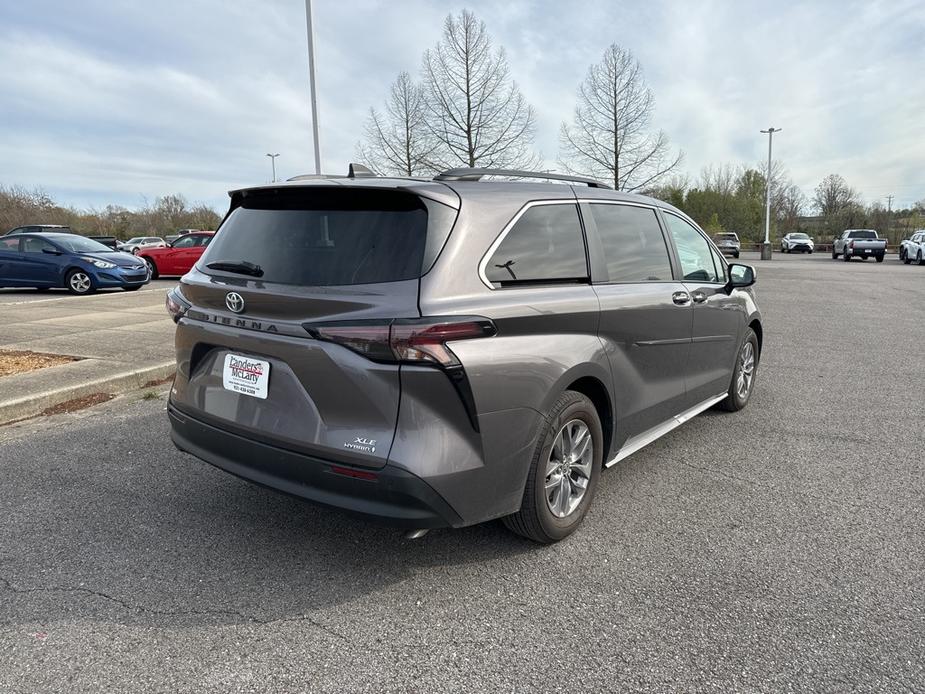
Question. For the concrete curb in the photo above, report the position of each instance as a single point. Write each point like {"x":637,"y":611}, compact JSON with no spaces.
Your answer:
{"x":35,"y":403}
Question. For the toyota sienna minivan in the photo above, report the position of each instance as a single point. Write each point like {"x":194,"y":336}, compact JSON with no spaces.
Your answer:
{"x":433,"y":353}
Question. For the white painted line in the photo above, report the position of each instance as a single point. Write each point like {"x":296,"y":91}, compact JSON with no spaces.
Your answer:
{"x":91,"y":296}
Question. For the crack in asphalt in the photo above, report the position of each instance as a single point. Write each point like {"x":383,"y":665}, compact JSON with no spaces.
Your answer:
{"x":9,"y":585}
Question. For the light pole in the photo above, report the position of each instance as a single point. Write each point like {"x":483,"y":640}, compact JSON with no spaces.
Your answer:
{"x":311,"y":81}
{"x":766,"y":247}
{"x":273,"y":162}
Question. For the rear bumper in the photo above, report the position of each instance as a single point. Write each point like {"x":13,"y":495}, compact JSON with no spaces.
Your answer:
{"x":860,"y":252}
{"x":395,"y":497}
{"x":728,"y":250}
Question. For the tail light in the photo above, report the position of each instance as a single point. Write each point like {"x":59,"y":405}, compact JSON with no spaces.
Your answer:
{"x":175,"y":304}
{"x":405,"y":340}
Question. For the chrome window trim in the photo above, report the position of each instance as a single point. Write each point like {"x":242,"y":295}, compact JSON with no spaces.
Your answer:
{"x":483,"y":263}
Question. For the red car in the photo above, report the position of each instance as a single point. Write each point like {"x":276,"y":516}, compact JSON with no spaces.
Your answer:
{"x":179,"y":257}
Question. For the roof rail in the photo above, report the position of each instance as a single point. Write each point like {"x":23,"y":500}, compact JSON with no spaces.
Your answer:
{"x":466,"y":174}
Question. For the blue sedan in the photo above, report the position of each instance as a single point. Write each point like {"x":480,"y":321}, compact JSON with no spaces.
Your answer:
{"x":77,"y":263}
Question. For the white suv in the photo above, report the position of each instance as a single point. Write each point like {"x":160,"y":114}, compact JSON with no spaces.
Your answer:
{"x":913,"y":248}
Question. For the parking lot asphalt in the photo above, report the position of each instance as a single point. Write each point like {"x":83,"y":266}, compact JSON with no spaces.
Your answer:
{"x":781,"y":548}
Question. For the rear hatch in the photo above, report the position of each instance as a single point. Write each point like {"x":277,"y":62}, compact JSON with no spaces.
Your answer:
{"x":284,"y":262}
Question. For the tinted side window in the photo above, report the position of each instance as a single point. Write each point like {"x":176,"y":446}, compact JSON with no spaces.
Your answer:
{"x":693,"y":251}
{"x":634,"y":248}
{"x":9,"y":245}
{"x":544,"y":245}
{"x":35,"y":245}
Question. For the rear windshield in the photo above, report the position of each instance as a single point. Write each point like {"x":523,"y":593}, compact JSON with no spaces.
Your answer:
{"x":327,"y":237}
{"x":863,"y":234}
{"x":727,"y":237}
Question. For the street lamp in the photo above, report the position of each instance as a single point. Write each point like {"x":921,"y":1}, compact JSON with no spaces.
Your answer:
{"x":311,"y":82}
{"x":273,"y":162}
{"x":766,"y":247}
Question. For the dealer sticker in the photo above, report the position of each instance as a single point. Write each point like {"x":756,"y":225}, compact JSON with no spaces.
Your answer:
{"x":246,"y":376}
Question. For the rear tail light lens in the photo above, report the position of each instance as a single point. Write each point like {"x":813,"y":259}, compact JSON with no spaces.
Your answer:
{"x":176,"y":305}
{"x":405,"y":340}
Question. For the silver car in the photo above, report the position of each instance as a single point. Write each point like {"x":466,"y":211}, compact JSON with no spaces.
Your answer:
{"x":136,"y":244}
{"x":728,"y":243}
{"x":444,"y":352}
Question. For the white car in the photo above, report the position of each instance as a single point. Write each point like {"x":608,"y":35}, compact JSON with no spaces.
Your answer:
{"x":136,"y":244}
{"x":796,"y":242}
{"x":913,"y":248}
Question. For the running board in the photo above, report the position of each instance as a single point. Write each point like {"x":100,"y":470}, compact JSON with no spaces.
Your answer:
{"x":645,"y":438}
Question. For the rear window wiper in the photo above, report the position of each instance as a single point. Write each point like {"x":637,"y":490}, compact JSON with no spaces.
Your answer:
{"x":241,"y":267}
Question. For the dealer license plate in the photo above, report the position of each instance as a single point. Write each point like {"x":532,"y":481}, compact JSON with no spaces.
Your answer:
{"x":246,"y":375}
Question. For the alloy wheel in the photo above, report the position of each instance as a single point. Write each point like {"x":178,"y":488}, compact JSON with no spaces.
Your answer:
{"x":746,"y":370}
{"x":568,"y":469}
{"x":80,"y":282}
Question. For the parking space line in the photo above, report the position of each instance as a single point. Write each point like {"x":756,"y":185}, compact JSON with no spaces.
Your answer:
{"x":71,"y":298}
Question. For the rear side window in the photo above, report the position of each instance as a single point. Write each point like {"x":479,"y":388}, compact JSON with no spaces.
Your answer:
{"x":326,"y":237}
{"x":545,"y":245}
{"x":634,"y":248}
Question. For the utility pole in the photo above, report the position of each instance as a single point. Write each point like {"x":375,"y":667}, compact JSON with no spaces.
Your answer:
{"x":273,"y":162}
{"x":311,"y":80}
{"x":766,"y":247}
{"x":889,"y":216}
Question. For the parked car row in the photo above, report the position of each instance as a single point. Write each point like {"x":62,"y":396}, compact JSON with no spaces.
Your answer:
{"x":47,"y":256}
{"x":58,"y":259}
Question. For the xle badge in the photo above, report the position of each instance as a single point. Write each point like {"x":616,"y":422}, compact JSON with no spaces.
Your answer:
{"x":362,"y":445}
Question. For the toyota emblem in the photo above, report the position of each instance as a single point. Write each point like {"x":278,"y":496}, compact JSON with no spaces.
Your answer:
{"x":234,"y":302}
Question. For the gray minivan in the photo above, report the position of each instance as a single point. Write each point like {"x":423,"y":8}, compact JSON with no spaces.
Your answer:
{"x":443,"y":352}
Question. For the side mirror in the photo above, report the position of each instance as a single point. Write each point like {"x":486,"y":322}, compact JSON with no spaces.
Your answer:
{"x":51,"y":251}
{"x":741,"y":276}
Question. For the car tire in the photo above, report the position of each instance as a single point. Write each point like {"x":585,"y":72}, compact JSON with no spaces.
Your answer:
{"x":919,"y":259}
{"x":879,"y":258}
{"x":834,"y":254}
{"x":735,"y":255}
{"x":847,"y":258}
{"x":810,"y":252}
{"x":537,"y":520}
{"x":903,"y":256}
{"x":746,"y":369}
{"x":79,"y":282}
{"x":152,"y":266}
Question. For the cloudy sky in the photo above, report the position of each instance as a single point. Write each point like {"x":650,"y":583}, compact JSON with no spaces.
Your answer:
{"x":115,"y":101}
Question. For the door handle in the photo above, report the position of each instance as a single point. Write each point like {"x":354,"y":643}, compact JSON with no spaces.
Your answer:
{"x":681,"y":298}
{"x":698,"y":297}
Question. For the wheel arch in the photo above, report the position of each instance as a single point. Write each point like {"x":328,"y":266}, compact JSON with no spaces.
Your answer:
{"x":755,"y":325}
{"x":595,"y":390}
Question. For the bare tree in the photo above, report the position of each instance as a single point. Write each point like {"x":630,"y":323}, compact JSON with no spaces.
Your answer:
{"x":399,"y":140}
{"x":789,"y":202}
{"x":475,"y":109}
{"x":833,"y":195}
{"x":610,"y":137}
